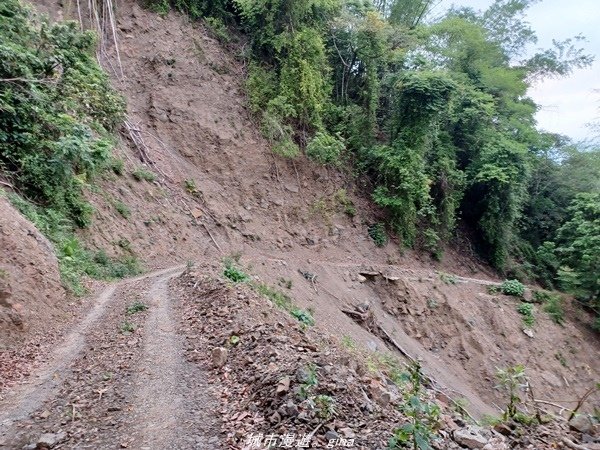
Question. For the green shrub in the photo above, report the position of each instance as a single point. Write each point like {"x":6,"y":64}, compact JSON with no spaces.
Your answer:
{"x":190,"y":187}
{"x":75,"y":261}
{"x":217,"y":28}
{"x":526,"y":310}
{"x":58,"y":112}
{"x":378,"y":234}
{"x":279,"y":135}
{"x":277,"y":297}
{"x":303,"y":316}
{"x":141,"y":174}
{"x":127,"y":327}
{"x":117,"y":166}
{"x":325,"y":149}
{"x":513,"y":287}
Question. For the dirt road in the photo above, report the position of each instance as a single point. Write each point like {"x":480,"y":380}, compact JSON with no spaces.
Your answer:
{"x":118,"y":380}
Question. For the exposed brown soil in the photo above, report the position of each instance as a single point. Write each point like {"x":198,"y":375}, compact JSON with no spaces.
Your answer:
{"x":31,"y":295}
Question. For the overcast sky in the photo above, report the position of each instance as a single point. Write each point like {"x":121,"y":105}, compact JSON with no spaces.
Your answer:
{"x":567,"y":104}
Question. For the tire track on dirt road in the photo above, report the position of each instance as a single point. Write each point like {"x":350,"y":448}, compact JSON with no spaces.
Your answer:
{"x":172,"y":408}
{"x":47,"y":380}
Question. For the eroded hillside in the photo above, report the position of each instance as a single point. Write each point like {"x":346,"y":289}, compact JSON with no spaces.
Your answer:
{"x":219,"y":191}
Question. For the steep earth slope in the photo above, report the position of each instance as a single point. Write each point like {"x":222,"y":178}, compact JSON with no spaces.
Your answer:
{"x":221,"y":191}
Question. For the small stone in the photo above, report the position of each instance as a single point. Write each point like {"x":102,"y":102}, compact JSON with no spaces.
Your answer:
{"x":331,"y":436}
{"x":303,"y":375}
{"x":292,"y":409}
{"x":45,"y":414}
{"x":470,"y":437}
{"x":219,"y":356}
{"x":496,"y":443}
{"x":275,"y":418}
{"x":348,"y":433}
{"x":283,"y":386}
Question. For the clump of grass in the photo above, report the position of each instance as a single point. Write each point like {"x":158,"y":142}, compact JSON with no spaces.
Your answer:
{"x":190,"y":187}
{"x":283,"y":282}
{"x":448,"y":278}
{"x":277,"y":297}
{"x":122,"y":209}
{"x":233,"y":272}
{"x":117,"y":166}
{"x":75,"y":261}
{"x":127,"y":327}
{"x":141,"y":174}
{"x":136,"y":307}
{"x":285,"y":302}
{"x":303,"y":316}
{"x":553,"y":305}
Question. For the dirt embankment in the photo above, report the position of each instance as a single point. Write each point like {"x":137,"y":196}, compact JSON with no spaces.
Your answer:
{"x":31,"y":294}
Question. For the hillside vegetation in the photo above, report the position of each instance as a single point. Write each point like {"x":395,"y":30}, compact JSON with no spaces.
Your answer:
{"x":436,"y":113}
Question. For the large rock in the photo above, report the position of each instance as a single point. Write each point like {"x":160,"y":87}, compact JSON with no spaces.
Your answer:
{"x":470,"y":437}
{"x":49,"y":440}
{"x":582,"y":423}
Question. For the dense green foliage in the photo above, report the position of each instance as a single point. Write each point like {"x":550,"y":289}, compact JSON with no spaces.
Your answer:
{"x":436,"y":113}
{"x":57,"y":110}
{"x":57,"y":115}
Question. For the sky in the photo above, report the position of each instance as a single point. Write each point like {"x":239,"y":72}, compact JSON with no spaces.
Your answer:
{"x":567,"y":104}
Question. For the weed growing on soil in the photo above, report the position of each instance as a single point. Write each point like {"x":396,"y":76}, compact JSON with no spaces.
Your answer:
{"x":325,"y":406}
{"x":127,"y":327}
{"x":348,"y":342}
{"x":309,"y":381}
{"x":526,"y":310}
{"x":117,"y":166}
{"x":284,"y":282}
{"x":512,"y":287}
{"x":553,"y":305}
{"x":233,"y":272}
{"x":378,"y":234}
{"x":136,"y":307}
{"x":448,"y":278}
{"x":423,"y":415}
{"x":512,"y":380}
{"x":303,"y":316}
{"x":561,"y":359}
{"x":341,"y":197}
{"x":190,"y":187}
{"x":284,"y":301}
{"x":122,"y":209}
{"x":141,"y":174}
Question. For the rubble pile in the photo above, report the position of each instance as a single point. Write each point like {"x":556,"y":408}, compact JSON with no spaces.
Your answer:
{"x":285,"y":385}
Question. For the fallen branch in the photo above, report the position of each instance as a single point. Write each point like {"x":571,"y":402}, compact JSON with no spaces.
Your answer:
{"x":211,"y":236}
{"x":582,"y":400}
{"x":556,"y":405}
{"x":569,"y":443}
